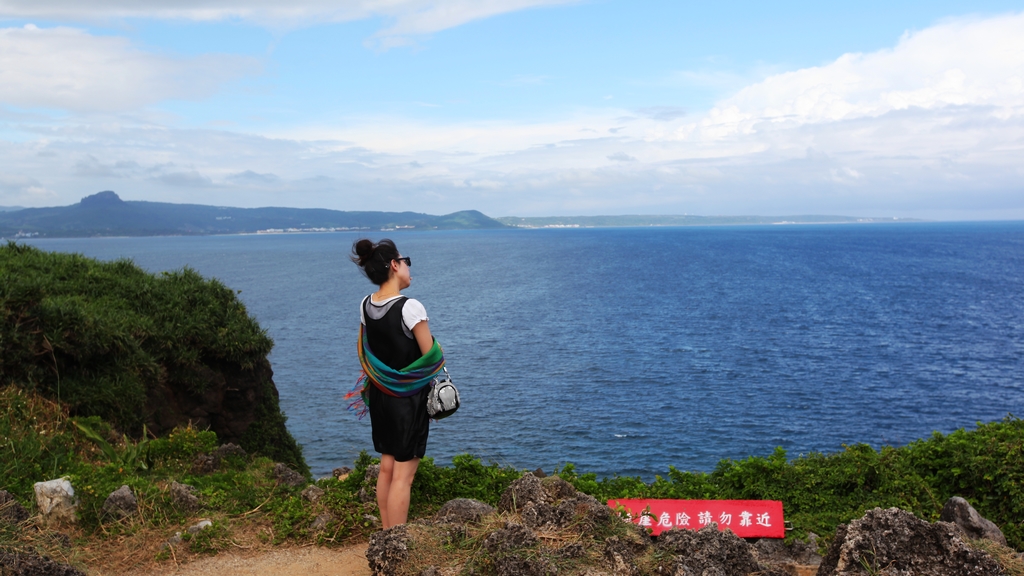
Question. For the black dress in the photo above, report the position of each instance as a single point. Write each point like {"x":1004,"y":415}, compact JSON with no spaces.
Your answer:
{"x":400,"y":425}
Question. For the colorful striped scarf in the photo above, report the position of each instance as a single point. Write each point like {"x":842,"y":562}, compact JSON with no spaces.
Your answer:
{"x":405,"y":382}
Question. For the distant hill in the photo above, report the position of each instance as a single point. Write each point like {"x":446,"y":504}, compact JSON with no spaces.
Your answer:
{"x":105,"y":214}
{"x":9,"y":208}
{"x":656,"y":220}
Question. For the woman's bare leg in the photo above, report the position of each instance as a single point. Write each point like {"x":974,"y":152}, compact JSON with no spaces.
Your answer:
{"x":387,"y":468}
{"x":401,"y":479}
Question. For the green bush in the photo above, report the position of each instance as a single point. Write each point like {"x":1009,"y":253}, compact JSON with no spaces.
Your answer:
{"x":96,"y":335}
{"x":820,"y":491}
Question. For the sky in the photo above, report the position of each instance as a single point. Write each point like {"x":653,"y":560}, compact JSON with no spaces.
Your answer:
{"x":519,"y":107}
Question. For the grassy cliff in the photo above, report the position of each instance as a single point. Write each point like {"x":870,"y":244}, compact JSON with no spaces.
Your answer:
{"x":111,"y":340}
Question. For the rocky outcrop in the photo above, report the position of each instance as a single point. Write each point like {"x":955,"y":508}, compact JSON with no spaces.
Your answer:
{"x":894,"y":542}
{"x":287,"y":476}
{"x":228,"y":405}
{"x":388,"y":550}
{"x":28,"y":564}
{"x":11,"y":511}
{"x":708,"y":551}
{"x":960,"y":512}
{"x":463,"y":511}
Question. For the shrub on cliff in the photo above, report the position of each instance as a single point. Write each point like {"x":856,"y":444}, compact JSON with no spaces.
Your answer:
{"x":820,"y":491}
{"x":111,"y":340}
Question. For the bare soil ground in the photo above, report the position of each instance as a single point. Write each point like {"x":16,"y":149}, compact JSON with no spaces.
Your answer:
{"x":306,"y":561}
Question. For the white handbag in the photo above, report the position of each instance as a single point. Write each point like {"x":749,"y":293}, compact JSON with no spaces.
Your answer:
{"x":443,"y":398}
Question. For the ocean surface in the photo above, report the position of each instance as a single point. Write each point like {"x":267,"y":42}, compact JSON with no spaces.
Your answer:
{"x":625,"y":351}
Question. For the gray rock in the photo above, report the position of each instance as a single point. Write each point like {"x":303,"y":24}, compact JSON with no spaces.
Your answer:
{"x":372,"y":471}
{"x":776,"y":552}
{"x":172,"y":541}
{"x":121,"y":503}
{"x":228,"y":449}
{"x":895,"y":542}
{"x":56,"y":501}
{"x":512,"y":537}
{"x":373,"y":520}
{"x":620,"y":555}
{"x":572,"y":550}
{"x":313,"y":493}
{"x":11,"y":511}
{"x":388,"y":550}
{"x":430,"y":571}
{"x":708,"y":551}
{"x":321,"y":521}
{"x":540,"y":473}
{"x":341,"y":473}
{"x":29,"y":564}
{"x":184,"y":497}
{"x":367,"y":495}
{"x":199,"y":527}
{"x":463,"y":511}
{"x":287,"y":476}
{"x":960,"y":512}
{"x":205,"y":464}
{"x":557,"y":489}
{"x":523,"y":490}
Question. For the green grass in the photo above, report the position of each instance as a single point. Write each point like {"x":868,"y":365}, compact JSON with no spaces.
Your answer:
{"x":99,"y":336}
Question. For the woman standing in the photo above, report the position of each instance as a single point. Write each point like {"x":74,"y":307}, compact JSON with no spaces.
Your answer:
{"x":399,"y":358}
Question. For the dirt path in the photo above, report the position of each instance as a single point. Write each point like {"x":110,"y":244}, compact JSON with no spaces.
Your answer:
{"x":311,"y":561}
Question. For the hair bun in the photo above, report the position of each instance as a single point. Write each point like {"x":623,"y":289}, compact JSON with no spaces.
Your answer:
{"x":364,"y":250}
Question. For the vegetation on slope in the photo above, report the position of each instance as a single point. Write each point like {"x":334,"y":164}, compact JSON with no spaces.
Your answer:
{"x":99,"y":335}
{"x":250,"y":507}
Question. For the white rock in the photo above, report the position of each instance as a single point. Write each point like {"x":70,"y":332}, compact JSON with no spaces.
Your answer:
{"x":202,"y":525}
{"x":56,"y":501}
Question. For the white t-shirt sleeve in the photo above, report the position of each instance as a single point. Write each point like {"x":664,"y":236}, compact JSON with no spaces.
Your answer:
{"x":413,"y":313}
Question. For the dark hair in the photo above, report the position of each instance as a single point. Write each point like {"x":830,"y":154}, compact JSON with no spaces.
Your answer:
{"x":374,"y":259}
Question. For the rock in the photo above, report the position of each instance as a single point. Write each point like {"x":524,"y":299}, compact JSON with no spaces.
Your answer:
{"x":121,"y":503}
{"x":373,"y":520}
{"x":313,"y":493}
{"x":430,"y":571}
{"x":557,"y":489}
{"x":11,"y":511}
{"x":775,"y":552}
{"x":540,"y":473}
{"x":960,"y":512}
{"x":199,"y":527}
{"x":29,"y":564}
{"x":895,"y":542}
{"x":184,"y":497}
{"x":205,"y":464}
{"x":512,"y":537}
{"x":372,"y":472}
{"x":388,"y":550}
{"x":708,"y":551}
{"x":321,"y":521}
{"x":572,"y":550}
{"x":228,"y":449}
{"x":523,"y":490}
{"x":56,"y":501}
{"x":287,"y":476}
{"x":463,"y":511}
{"x":341,"y":473}
{"x":620,"y":555}
{"x":172,"y":541}
{"x":230,"y":400}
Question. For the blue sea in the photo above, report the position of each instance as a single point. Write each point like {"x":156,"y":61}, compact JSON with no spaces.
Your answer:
{"x":625,"y":351}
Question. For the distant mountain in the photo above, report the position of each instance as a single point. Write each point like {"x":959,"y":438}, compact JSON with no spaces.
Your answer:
{"x":656,"y":220}
{"x":9,"y":208}
{"x":105,"y":214}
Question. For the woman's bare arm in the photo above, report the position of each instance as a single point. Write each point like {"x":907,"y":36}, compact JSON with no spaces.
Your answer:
{"x":422,"y":334}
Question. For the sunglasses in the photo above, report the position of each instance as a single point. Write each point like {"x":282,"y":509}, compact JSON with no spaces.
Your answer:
{"x":406,"y":259}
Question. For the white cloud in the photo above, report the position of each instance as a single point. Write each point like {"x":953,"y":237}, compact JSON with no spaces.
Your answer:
{"x":405,"y":17}
{"x":966,"y":62}
{"x":896,"y":132}
{"x":70,"y":69}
